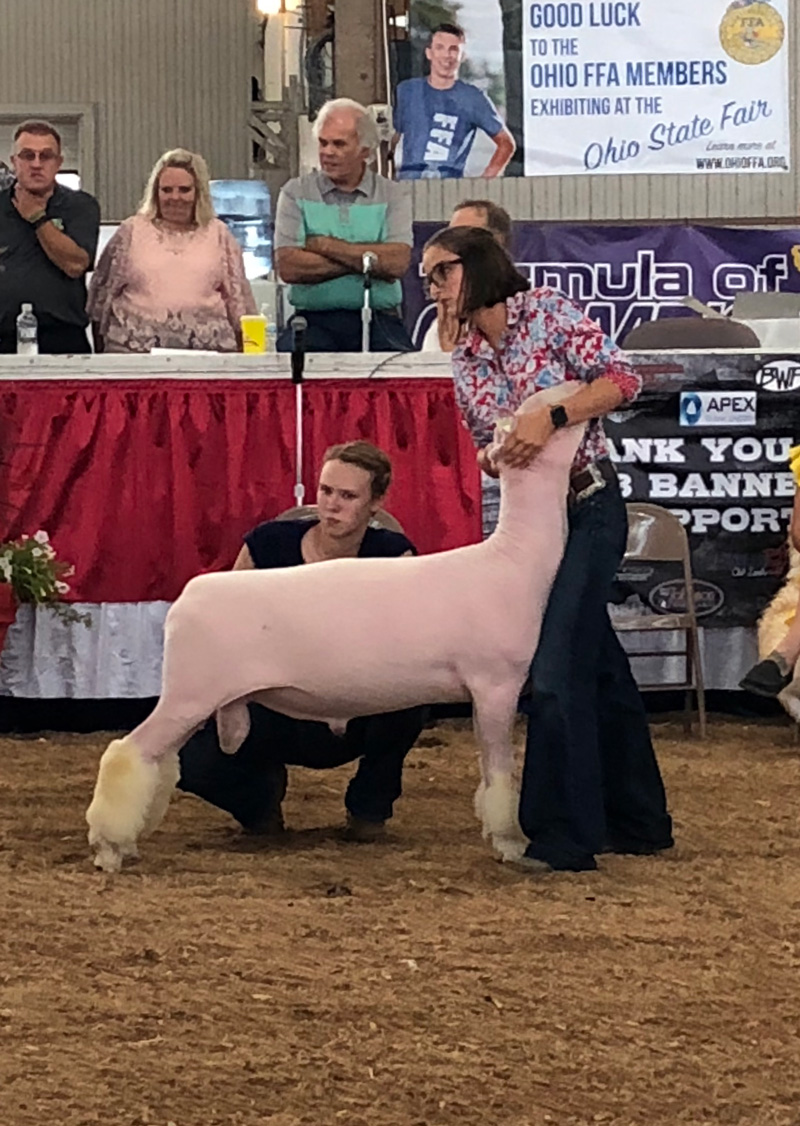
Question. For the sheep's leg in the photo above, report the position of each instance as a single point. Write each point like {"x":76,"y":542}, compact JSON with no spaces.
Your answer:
{"x":789,"y":645}
{"x":790,"y":697}
{"x":497,"y":799}
{"x":233,"y":726}
{"x":135,"y":781}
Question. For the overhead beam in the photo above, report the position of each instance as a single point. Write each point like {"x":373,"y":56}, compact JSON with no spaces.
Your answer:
{"x":359,"y":59}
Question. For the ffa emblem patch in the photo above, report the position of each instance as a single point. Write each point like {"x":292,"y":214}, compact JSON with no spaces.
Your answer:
{"x":752,"y":31}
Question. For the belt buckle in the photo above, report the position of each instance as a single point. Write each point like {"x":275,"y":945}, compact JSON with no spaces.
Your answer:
{"x":598,"y":483}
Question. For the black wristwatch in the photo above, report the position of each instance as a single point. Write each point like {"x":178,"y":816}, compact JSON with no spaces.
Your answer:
{"x":558,"y":417}
{"x":39,"y":219}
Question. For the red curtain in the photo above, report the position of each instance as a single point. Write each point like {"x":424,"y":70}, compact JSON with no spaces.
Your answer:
{"x":143,"y":484}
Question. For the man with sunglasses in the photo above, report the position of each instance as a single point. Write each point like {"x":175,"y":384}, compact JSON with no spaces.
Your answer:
{"x":48,"y":239}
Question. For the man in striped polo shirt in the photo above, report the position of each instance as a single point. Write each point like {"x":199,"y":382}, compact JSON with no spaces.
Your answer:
{"x":327,"y":221}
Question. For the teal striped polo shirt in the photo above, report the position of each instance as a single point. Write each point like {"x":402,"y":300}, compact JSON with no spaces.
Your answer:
{"x":378,"y":210}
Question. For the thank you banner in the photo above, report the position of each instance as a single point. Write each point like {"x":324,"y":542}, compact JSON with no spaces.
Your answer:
{"x":709,"y":440}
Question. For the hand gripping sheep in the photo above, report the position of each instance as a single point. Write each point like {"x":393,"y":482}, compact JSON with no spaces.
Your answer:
{"x":350,"y":637}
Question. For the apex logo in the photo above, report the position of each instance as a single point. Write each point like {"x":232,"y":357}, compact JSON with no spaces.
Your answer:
{"x":717,"y":408}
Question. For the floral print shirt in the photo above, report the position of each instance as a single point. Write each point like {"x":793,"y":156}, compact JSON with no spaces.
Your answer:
{"x":548,"y":341}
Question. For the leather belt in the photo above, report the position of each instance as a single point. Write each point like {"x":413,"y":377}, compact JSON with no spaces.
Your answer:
{"x":589,"y":480}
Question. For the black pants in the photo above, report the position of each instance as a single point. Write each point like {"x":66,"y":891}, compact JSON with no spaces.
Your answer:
{"x":251,"y":784}
{"x":54,"y":340}
{"x":340,"y":331}
{"x":590,"y":779}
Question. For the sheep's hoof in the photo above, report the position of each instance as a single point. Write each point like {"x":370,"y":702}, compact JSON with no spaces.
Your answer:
{"x":509,"y":848}
{"x":107,"y":857}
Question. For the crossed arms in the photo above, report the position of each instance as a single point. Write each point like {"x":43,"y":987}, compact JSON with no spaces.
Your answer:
{"x":324,"y":257}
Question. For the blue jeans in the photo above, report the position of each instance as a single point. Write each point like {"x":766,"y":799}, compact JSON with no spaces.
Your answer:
{"x":251,"y":784}
{"x":590,"y":779}
{"x":340,"y":331}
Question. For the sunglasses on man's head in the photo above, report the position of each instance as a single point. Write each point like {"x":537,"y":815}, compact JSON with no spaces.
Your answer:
{"x":438,"y":275}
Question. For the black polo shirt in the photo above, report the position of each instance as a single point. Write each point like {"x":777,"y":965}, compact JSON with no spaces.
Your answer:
{"x":27,"y":274}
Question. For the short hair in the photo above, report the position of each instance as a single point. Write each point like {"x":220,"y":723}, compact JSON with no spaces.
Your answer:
{"x":449,"y":29}
{"x":366,"y":457}
{"x":366,"y":128}
{"x":498,"y":220}
{"x":196,"y":166}
{"x":489,"y":274}
{"x":38,"y":128}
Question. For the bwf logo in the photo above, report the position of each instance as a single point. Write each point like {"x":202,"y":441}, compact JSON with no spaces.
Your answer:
{"x":778,"y":376}
{"x":713,"y":408}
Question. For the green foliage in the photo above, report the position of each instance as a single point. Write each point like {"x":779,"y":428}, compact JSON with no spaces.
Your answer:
{"x":37,"y":576}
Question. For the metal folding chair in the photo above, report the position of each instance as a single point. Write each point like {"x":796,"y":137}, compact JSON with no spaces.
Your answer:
{"x":657,"y":536}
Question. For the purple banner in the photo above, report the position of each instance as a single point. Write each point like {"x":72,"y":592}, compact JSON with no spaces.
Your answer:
{"x":623,"y":276}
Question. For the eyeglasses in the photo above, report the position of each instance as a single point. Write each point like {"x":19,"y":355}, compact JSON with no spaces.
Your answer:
{"x":439,"y":274}
{"x":28,"y":156}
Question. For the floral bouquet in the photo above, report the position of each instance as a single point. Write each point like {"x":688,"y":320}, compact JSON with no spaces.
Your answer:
{"x":30,"y":567}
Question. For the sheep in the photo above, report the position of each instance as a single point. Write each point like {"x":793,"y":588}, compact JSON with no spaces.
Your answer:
{"x":348,"y":637}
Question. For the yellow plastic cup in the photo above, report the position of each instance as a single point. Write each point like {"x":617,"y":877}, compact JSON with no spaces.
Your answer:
{"x":254,"y":334}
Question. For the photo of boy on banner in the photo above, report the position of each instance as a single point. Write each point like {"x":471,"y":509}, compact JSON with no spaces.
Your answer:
{"x":451,"y":118}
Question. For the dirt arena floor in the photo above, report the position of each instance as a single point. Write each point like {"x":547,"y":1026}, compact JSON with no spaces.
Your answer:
{"x":417,"y":982}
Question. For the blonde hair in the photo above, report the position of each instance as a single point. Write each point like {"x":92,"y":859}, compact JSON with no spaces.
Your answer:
{"x":196,"y":166}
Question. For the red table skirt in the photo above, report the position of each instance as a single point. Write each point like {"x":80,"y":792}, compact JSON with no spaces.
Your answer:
{"x":144,"y":484}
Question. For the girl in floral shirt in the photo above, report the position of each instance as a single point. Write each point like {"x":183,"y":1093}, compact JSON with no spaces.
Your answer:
{"x":591,"y":782}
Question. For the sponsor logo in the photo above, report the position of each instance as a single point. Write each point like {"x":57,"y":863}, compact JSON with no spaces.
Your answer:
{"x":778,"y":376}
{"x":670,"y":597}
{"x":718,"y":408}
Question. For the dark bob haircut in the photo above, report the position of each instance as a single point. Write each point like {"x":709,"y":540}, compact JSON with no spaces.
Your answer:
{"x":490,"y":277}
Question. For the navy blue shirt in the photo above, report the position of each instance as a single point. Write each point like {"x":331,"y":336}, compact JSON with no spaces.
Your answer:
{"x":276,"y":543}
{"x":28,"y":275}
{"x":439,"y":126}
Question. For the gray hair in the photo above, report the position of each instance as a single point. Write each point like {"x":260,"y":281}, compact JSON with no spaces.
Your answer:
{"x":365,"y":123}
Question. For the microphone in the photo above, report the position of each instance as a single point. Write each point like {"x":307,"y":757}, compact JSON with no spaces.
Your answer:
{"x":299,"y":326}
{"x":368,"y":263}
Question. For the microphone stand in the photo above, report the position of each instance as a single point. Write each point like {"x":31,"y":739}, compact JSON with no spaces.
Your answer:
{"x":367,"y":263}
{"x":298,"y":364}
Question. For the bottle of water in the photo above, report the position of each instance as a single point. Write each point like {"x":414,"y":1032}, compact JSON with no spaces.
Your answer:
{"x":272,"y":328}
{"x":27,"y":332}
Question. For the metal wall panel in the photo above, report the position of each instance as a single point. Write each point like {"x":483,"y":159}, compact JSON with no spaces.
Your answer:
{"x":741,"y":197}
{"x":160,"y":73}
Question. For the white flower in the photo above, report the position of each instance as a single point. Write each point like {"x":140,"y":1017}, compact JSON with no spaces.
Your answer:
{"x":5,"y":569}
{"x":41,"y":537}
{"x":36,"y":552}
{"x":62,"y":588}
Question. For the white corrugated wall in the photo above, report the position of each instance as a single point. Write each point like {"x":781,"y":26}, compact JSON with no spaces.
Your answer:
{"x":159,"y":73}
{"x":744,"y":197}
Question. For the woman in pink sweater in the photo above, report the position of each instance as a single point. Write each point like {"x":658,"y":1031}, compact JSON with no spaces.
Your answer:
{"x":172,"y":276}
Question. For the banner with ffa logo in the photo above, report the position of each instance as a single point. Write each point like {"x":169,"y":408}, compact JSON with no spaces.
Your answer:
{"x":563,"y":87}
{"x":648,"y":86}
